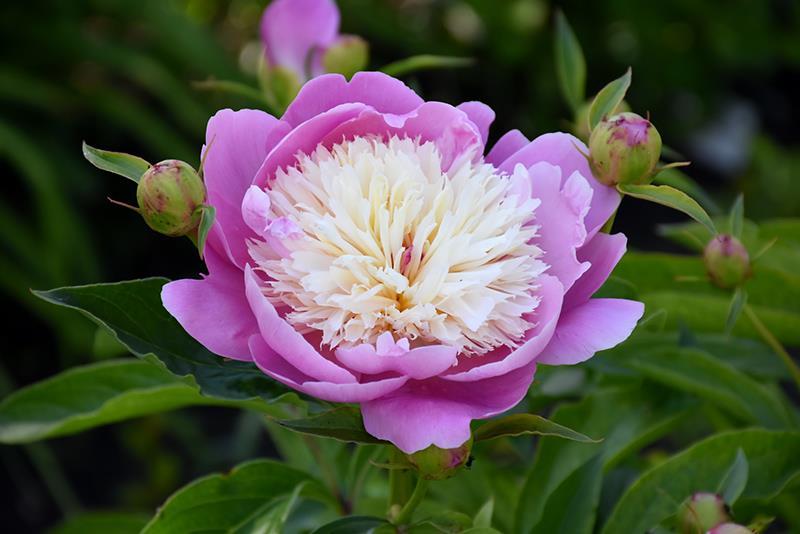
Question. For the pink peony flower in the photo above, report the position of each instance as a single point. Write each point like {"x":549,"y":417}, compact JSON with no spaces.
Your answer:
{"x":297,"y":33}
{"x":366,"y":251}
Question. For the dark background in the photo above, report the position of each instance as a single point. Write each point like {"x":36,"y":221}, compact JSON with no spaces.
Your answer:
{"x":719,"y":79}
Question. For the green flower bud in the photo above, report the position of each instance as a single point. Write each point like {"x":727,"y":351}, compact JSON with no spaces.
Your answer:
{"x":730,"y":528}
{"x":168,"y":195}
{"x":727,"y":261}
{"x":347,"y":56}
{"x":702,"y":512}
{"x":283,"y":85}
{"x":624,"y":149}
{"x":434,"y":463}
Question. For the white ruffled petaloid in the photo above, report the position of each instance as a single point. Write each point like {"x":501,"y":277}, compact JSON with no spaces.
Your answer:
{"x":372,"y":236}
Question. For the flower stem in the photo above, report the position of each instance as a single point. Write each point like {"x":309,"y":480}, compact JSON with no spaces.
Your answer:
{"x":774,"y":344}
{"x":606,"y":229}
{"x":399,"y":481}
{"x":404,"y":517}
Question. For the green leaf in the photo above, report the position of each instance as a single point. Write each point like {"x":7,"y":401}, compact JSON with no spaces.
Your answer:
{"x":270,"y":518}
{"x":484,"y":516}
{"x":103,"y":523}
{"x":735,"y":479}
{"x":98,"y":394}
{"x":672,"y":198}
{"x":525,"y":424}
{"x":570,"y":64}
{"x":225,"y":502}
{"x":343,"y":423}
{"x":572,"y":506}
{"x":353,"y":525}
{"x":653,"y":497}
{"x":425,"y":62}
{"x":679,"y":180}
{"x":233,"y":88}
{"x":626,"y":418}
{"x":738,"y":302}
{"x":133,"y":312}
{"x":131,"y":167}
{"x":608,"y":99}
{"x":737,"y":217}
{"x":207,"y":216}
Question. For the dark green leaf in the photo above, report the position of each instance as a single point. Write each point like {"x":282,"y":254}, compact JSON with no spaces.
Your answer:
{"x":672,"y":198}
{"x":735,"y":479}
{"x":131,"y":167}
{"x":343,"y":423}
{"x":224,"y":502}
{"x":208,"y":214}
{"x":773,"y":460}
{"x":484,"y":516}
{"x":270,"y":518}
{"x":134,"y":313}
{"x":98,"y":394}
{"x":737,"y":217}
{"x":738,"y":302}
{"x":425,"y":62}
{"x":608,"y":99}
{"x":570,"y":64}
{"x":525,"y":424}
{"x":103,"y":523}
{"x":352,"y":525}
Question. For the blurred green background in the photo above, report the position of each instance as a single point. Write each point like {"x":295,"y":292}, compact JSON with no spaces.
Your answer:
{"x":719,"y":80}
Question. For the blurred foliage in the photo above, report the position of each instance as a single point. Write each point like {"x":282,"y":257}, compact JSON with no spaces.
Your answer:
{"x":718,"y":78}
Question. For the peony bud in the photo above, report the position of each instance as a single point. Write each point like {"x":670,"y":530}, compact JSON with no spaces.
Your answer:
{"x":727,"y":261}
{"x":624,"y":149}
{"x":283,"y":84}
{"x":730,"y":528}
{"x":702,"y":512}
{"x":434,"y":463}
{"x":346,"y":56}
{"x":169,"y":194}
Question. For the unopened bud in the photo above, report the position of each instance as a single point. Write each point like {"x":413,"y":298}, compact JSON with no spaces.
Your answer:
{"x":283,"y":84}
{"x":624,"y":149}
{"x":168,"y":195}
{"x":727,"y":261}
{"x":434,"y":463}
{"x":702,"y":512}
{"x":346,"y":56}
{"x":730,"y":528}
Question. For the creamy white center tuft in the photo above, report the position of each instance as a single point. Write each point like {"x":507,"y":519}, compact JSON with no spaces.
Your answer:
{"x":378,"y":239}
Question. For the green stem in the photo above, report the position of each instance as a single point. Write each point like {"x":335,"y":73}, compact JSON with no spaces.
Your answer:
{"x":774,"y":344}
{"x":404,"y":517}
{"x":606,"y":229}
{"x":399,"y":481}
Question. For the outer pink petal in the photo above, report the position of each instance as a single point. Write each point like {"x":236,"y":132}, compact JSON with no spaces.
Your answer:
{"x":418,"y":363}
{"x":560,"y":217}
{"x":438,"y":412}
{"x":603,"y":251}
{"x":501,"y":361}
{"x":293,"y":29}
{"x":236,"y":145}
{"x":214,"y":310}
{"x":507,"y":145}
{"x":480,"y":114}
{"x":287,"y":341}
{"x":375,"y":89}
{"x":564,"y":150}
{"x":597,"y":325}
{"x":272,"y":364}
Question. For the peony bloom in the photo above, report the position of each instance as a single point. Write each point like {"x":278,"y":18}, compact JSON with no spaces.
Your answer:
{"x":298,"y":33}
{"x":366,"y":251}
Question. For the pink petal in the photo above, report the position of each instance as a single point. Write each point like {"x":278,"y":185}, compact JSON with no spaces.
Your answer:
{"x":597,"y":325}
{"x":287,"y":341}
{"x":438,"y":412}
{"x":375,"y":89}
{"x":501,"y":360}
{"x":214,"y":310}
{"x":292,"y":30}
{"x":560,"y":218}
{"x":480,"y":114}
{"x":418,"y":363}
{"x":507,"y":145}
{"x":272,"y":364}
{"x":236,"y":145}
{"x":603,"y":251}
{"x":564,"y":150}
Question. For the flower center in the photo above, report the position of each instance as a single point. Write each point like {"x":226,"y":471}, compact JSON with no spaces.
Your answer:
{"x":373,"y":237}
